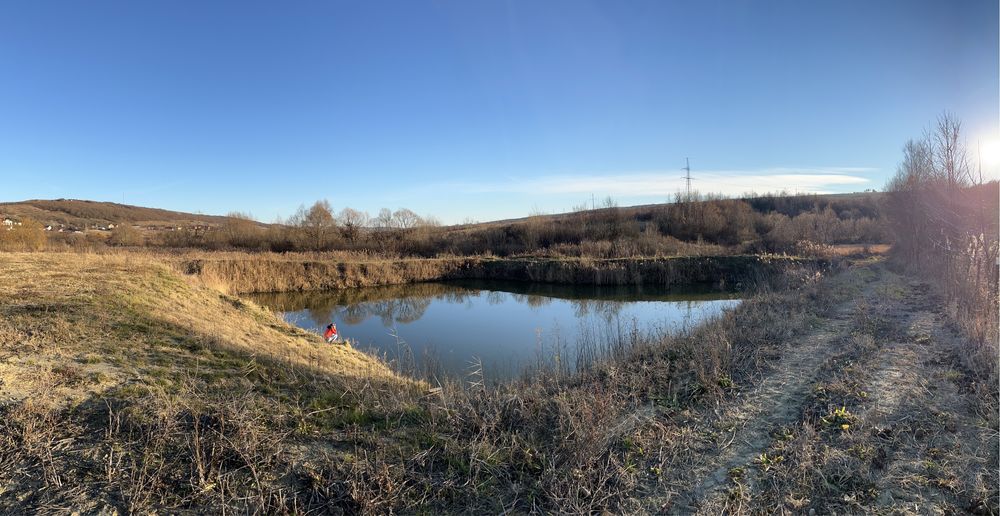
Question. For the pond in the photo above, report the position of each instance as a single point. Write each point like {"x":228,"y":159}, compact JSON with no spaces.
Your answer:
{"x":498,"y":329}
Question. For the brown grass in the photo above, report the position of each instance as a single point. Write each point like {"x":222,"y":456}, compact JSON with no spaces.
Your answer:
{"x":176,"y":397}
{"x":60,"y":306}
{"x":142,"y":397}
{"x":246,"y":273}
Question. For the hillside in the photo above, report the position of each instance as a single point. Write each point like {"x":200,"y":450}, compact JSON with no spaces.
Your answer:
{"x":865,"y":202}
{"x":704,"y":226}
{"x":84,"y":214}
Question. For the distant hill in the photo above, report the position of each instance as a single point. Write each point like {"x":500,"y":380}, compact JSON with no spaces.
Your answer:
{"x":847,"y":205}
{"x":87,"y":214}
{"x":84,"y":214}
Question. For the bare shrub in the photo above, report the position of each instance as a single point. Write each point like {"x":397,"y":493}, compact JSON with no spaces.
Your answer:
{"x":27,"y":235}
{"x":125,"y":235}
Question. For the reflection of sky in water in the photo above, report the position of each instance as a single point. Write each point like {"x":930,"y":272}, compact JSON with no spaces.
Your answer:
{"x":450,"y":326}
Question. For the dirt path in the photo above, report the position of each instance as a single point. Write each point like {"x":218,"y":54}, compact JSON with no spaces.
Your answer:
{"x":940,"y":457}
{"x":865,"y":412}
{"x":775,"y":402}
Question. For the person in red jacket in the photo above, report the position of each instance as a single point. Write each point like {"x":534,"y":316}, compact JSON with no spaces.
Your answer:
{"x":331,"y":333}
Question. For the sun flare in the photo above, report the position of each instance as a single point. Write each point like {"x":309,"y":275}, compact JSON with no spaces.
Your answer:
{"x":989,"y":152}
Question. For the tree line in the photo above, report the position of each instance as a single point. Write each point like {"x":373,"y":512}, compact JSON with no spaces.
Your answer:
{"x":701,"y":224}
{"x":944,"y":216}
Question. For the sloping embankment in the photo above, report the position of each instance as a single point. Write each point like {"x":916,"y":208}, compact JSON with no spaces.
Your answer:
{"x":73,"y":324}
{"x":274,"y":274}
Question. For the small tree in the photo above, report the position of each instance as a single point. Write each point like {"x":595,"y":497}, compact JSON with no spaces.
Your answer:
{"x":125,"y":235}
{"x":384,"y":219}
{"x":316,"y":223}
{"x":405,"y":219}
{"x":240,"y":230}
{"x":351,"y":222}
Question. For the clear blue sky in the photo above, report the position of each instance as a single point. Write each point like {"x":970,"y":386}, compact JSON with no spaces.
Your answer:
{"x":479,"y":109}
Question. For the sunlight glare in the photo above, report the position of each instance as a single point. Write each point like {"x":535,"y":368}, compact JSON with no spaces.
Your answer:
{"x":989,"y":152}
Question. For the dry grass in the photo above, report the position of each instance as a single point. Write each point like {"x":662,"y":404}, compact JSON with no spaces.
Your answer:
{"x":102,"y":312}
{"x":151,"y":401}
{"x":127,"y":386}
{"x":855,"y":250}
{"x":141,"y":389}
{"x":246,"y":272}
{"x":888,"y":424}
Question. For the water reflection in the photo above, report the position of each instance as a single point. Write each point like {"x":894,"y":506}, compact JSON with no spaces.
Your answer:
{"x":504,"y":324}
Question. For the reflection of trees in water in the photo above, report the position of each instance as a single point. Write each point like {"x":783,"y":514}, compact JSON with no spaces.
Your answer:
{"x":608,"y":310}
{"x":531,"y":300}
{"x":389,"y":311}
{"x":611,"y":310}
{"x":409,"y":302}
{"x":390,"y":303}
{"x":495,"y":298}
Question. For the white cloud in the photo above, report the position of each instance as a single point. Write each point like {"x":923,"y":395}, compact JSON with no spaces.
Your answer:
{"x":660,"y":184}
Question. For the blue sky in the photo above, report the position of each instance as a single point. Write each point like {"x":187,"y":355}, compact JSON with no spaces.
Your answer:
{"x":480,"y":110}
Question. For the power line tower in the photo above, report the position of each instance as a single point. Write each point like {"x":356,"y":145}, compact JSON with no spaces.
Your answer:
{"x":687,"y":194}
{"x":687,"y":178}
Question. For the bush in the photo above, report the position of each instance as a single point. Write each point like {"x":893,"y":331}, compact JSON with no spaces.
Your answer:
{"x":125,"y":235}
{"x":28,"y":236}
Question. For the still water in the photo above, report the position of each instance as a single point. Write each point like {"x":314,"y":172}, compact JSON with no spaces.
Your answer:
{"x":434,"y":329}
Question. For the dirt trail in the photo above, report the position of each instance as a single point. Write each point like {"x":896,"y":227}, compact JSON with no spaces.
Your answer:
{"x":931,"y":453}
{"x":939,"y":452}
{"x":774,"y":402}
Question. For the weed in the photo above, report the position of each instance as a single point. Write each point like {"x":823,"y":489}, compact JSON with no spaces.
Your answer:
{"x":840,"y":418}
{"x":768,"y":462}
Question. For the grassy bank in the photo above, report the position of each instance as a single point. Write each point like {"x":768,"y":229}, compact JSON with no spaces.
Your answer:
{"x":246,"y":273}
{"x":130,"y":386}
{"x":125,"y":386}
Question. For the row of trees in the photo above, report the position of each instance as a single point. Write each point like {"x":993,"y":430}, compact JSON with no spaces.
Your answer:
{"x":944,"y":216}
{"x":314,"y":228}
{"x":712,"y":224}
{"x":703,"y":224}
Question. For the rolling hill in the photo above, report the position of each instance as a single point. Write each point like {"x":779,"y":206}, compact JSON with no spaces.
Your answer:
{"x":84,"y":214}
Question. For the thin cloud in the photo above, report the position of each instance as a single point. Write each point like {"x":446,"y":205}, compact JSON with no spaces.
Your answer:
{"x":659,"y":184}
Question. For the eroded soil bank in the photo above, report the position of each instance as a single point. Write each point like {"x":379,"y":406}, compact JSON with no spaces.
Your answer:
{"x":265,"y":273}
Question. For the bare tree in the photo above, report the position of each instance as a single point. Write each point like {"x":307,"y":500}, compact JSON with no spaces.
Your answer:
{"x":351,"y":222}
{"x":908,"y":191}
{"x":430,"y":221}
{"x":947,"y":227}
{"x":240,"y":230}
{"x":951,"y":159}
{"x":316,"y":223}
{"x":125,"y":235}
{"x":384,"y":219}
{"x":405,"y":219}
